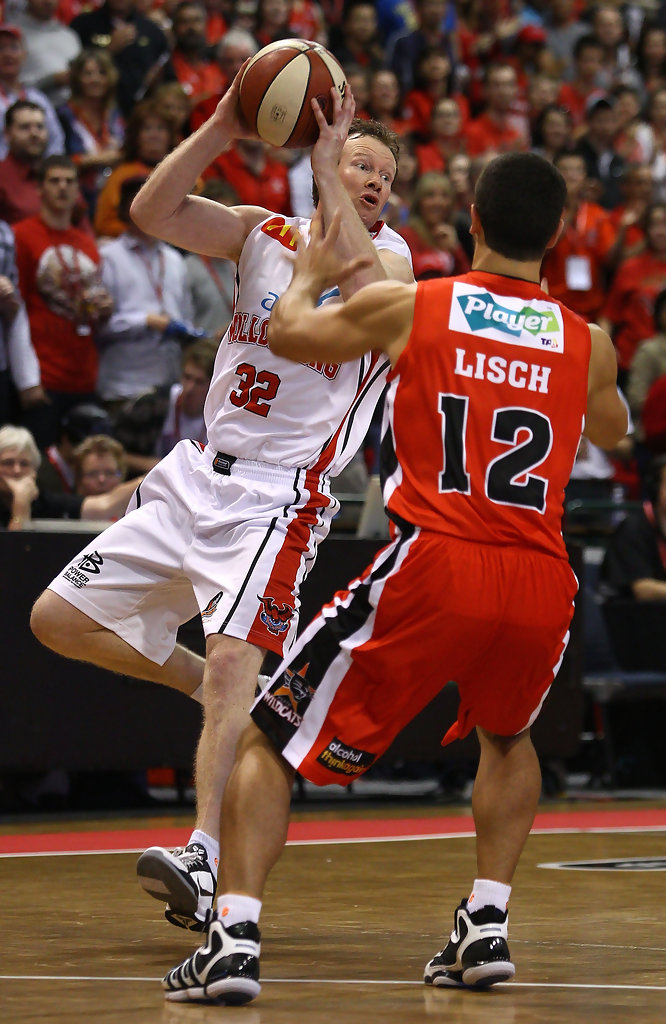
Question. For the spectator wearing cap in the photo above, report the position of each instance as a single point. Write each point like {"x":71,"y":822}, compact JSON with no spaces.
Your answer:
{"x":140,"y":344}
{"x":57,"y":472}
{"x":12,"y":88}
{"x":603,"y":163}
{"x":50,"y":47}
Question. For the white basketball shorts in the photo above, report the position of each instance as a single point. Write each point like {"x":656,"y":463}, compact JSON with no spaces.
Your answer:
{"x":204,"y":532}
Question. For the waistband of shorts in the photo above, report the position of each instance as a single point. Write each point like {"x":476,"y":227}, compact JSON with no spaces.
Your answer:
{"x":230,"y":465}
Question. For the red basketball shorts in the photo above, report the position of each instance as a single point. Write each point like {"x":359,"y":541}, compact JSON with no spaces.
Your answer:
{"x":429,"y":609}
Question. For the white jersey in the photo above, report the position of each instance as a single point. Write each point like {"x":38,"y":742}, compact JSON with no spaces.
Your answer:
{"x":264,"y":408}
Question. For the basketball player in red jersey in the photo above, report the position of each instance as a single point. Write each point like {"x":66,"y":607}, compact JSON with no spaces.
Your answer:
{"x":492,"y":382}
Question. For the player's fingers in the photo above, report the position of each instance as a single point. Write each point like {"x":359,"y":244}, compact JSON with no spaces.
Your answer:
{"x":318,"y":114}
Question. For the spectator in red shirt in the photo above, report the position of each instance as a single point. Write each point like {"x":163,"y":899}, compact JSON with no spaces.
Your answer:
{"x":257,"y":178}
{"x":447,"y":138}
{"x":385,"y":101}
{"x":199,"y":76}
{"x":495,"y":130}
{"x":628,"y":219}
{"x":233,"y":50}
{"x":585,"y":85}
{"x":433,"y":81}
{"x":575,"y":267}
{"x":58,"y":267}
{"x":430,"y":232}
{"x":628,"y":315}
{"x":25,"y":130}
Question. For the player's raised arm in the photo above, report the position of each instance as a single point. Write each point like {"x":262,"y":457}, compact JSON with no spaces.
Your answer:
{"x":355,"y":179}
{"x":379,"y":315}
{"x":165,"y":208}
{"x":606,"y":418}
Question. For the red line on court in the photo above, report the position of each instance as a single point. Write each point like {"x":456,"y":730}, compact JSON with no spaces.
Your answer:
{"x":375,"y":828}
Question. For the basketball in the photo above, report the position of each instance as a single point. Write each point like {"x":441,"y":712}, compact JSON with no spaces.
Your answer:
{"x":278,"y":85}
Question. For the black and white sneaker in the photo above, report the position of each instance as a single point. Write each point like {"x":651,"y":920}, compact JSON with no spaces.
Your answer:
{"x":224,"y":971}
{"x":183,"y":879}
{"x":477,"y":954}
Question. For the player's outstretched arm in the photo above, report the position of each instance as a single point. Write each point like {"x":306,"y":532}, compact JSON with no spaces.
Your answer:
{"x":606,"y":419}
{"x":300,"y":331}
{"x":165,"y":208}
{"x":353,"y":237}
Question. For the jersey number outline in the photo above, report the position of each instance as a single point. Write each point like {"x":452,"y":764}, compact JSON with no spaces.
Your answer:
{"x":502,"y":472}
{"x":255,"y":390}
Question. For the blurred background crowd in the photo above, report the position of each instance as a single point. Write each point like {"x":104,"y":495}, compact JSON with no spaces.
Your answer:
{"x":107,"y":332}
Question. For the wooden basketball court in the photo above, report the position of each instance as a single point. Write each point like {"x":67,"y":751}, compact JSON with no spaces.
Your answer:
{"x":358,"y":904}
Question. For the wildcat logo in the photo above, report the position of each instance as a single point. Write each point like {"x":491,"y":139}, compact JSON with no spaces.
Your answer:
{"x":285,"y":234}
{"x":212,"y":605}
{"x":295,"y":688}
{"x":537,"y":324}
{"x":275,"y":617}
{"x":291,"y":698}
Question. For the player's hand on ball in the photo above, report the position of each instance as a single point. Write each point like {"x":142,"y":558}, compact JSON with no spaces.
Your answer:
{"x":332,"y":137}
{"x":228,"y":115}
{"x":317,"y":265}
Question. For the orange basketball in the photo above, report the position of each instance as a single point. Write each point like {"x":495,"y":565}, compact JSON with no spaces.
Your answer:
{"x":278,"y":85}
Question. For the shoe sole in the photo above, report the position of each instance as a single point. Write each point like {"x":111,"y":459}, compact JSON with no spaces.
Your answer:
{"x":226,"y":992}
{"x":162,"y":880}
{"x":484,"y":975}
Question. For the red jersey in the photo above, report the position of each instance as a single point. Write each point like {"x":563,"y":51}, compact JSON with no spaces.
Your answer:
{"x":270,"y":188}
{"x":485,"y":134}
{"x":484,"y":412}
{"x":56,"y":268}
{"x":630,"y":304}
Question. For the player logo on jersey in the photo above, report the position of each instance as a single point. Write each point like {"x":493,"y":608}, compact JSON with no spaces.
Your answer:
{"x":276,"y":617}
{"x":286,"y":234}
{"x":530,"y":324}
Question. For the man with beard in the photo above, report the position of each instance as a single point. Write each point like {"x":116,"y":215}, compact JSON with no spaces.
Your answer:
{"x":199,"y":76}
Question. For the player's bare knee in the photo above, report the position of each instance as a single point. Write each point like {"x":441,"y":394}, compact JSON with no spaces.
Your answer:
{"x":51,"y":622}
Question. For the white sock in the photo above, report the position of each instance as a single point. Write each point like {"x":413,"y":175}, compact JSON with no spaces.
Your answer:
{"x":487,"y":893}
{"x":232,"y":909}
{"x":198,"y":694}
{"x":211,"y":845}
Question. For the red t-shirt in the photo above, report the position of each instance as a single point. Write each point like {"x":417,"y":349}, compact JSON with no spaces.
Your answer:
{"x":269,"y":189}
{"x":485,"y":134}
{"x":430,"y":262}
{"x":587,"y":239}
{"x":200,"y":80}
{"x":630,"y":304}
{"x":55,"y":268}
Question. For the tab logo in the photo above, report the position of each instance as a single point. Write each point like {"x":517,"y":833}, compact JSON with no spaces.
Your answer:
{"x":535,"y":325}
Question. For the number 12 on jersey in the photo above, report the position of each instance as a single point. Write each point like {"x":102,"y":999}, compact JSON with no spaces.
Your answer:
{"x":508,"y":477}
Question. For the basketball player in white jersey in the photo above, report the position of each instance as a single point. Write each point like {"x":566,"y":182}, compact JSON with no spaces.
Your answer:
{"x":231,"y":530}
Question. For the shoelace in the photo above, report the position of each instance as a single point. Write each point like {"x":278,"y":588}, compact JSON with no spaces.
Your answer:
{"x":190,"y":859}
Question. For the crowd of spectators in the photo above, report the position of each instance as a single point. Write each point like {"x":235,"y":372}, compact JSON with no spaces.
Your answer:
{"x":94,"y":93}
